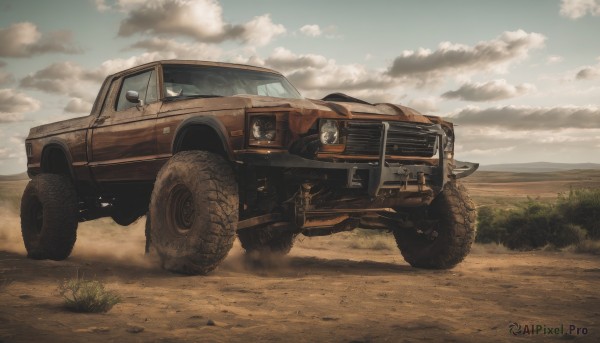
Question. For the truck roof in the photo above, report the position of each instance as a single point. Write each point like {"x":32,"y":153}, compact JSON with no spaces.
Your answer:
{"x":198,"y":63}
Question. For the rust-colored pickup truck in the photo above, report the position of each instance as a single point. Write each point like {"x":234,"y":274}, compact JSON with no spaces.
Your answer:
{"x":209,"y":150}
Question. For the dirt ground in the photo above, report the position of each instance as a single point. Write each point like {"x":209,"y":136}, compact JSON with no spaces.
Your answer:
{"x":350,"y":287}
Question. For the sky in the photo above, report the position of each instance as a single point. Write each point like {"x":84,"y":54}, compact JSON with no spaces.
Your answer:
{"x":520,"y":79}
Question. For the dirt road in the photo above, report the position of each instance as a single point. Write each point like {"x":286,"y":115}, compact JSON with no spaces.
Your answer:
{"x":344,"y":288}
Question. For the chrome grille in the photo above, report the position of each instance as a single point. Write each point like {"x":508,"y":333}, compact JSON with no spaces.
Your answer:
{"x":404,"y":139}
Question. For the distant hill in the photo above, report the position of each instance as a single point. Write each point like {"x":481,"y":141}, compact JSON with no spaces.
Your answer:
{"x":537,"y":167}
{"x":14,"y":177}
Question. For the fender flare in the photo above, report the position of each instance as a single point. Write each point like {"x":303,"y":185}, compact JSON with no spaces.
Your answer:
{"x":55,"y":143}
{"x":207,"y":121}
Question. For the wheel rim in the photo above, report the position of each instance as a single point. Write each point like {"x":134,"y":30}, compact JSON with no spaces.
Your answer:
{"x":181,"y":208}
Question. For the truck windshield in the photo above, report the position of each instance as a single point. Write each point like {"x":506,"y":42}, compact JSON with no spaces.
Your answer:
{"x":199,"y":81}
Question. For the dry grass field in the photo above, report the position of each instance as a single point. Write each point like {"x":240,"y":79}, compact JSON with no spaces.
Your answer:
{"x":350,"y":287}
{"x":505,"y":188}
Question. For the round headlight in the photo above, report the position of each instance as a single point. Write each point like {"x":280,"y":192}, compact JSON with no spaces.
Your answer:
{"x":329,"y":132}
{"x":263,"y":128}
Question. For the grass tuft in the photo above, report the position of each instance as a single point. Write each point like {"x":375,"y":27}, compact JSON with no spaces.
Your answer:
{"x":87,"y":296}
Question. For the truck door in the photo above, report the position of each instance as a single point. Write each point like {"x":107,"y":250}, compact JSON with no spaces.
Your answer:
{"x":123,"y":137}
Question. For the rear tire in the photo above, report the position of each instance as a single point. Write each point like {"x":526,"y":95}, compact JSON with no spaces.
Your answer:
{"x":455,"y":213}
{"x":193,"y":212}
{"x":49,"y":217}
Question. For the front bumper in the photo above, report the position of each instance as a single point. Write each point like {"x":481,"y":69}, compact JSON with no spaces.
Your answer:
{"x":393,"y":175}
{"x":381,"y":173}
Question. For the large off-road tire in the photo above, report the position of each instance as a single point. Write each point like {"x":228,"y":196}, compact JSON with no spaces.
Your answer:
{"x":49,"y":217}
{"x":455,"y":215}
{"x":193,"y":212}
{"x":267,"y":240}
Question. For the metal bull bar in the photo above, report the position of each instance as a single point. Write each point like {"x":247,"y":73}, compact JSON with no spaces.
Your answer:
{"x":396,"y":175}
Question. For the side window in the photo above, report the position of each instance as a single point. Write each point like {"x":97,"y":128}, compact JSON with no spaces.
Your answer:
{"x":144,"y":84}
{"x":152,"y":93}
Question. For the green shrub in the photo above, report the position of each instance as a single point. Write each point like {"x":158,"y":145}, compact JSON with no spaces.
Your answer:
{"x":568,"y":234}
{"x":531,"y":225}
{"x":488,"y":230}
{"x":87,"y":296}
{"x":582,"y":207}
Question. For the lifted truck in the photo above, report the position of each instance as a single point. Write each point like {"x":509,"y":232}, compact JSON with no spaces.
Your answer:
{"x":209,"y":150}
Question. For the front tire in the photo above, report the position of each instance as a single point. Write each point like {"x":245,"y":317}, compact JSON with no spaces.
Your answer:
{"x":455,"y":215}
{"x":49,"y":217}
{"x":194,"y":212}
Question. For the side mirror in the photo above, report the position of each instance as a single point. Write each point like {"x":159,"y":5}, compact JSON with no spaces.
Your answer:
{"x":134,"y":97}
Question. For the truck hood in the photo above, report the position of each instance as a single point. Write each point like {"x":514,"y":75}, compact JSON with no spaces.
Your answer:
{"x":304,"y":113}
{"x":346,"y":109}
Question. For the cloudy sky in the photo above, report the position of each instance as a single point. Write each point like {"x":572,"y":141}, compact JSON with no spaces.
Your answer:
{"x":520,"y":78}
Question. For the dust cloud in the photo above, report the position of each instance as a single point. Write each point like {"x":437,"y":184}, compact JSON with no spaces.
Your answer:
{"x":100,"y":240}
{"x":106,"y":241}
{"x":10,"y":230}
{"x":239,"y":261}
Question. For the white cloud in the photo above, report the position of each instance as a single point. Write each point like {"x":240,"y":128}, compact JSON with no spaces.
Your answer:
{"x":248,"y":58}
{"x":424,"y":105}
{"x":4,"y":153}
{"x":575,"y":9}
{"x":553,"y":59}
{"x":261,"y":30}
{"x":311,"y":30}
{"x":316,"y":76}
{"x":425,"y":66}
{"x":118,"y":64}
{"x":169,"y":49}
{"x":62,"y":78}
{"x":77,"y":105}
{"x":25,"y":40}
{"x":18,"y":138}
{"x":331,"y":32}
{"x":101,"y":5}
{"x":13,"y":104}
{"x":489,"y":91}
{"x":282,"y":60}
{"x":5,"y":77}
{"x":520,"y":118}
{"x":589,"y":72}
{"x":201,"y":20}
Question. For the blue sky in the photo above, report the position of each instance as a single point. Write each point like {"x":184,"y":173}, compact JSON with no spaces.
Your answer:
{"x":520,"y":78}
